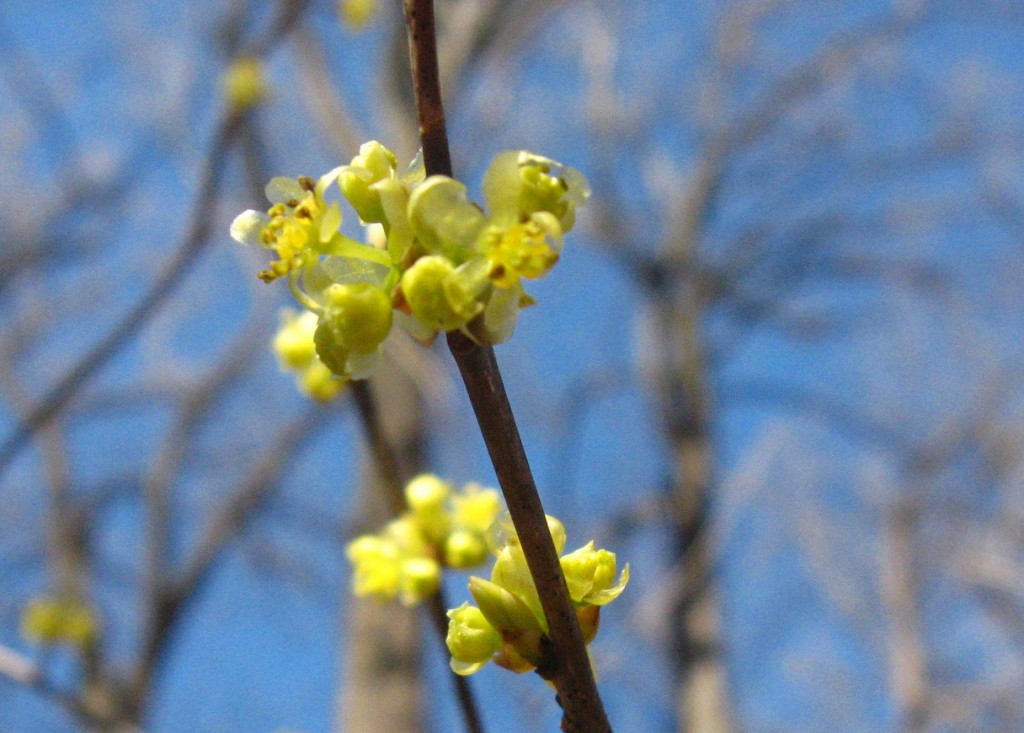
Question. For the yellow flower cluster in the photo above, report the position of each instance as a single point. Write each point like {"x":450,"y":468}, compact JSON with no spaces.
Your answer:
{"x":442,"y":528}
{"x":508,"y":625}
{"x":442,"y":264}
{"x":59,"y":620}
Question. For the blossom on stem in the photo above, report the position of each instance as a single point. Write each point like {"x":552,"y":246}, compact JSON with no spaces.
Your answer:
{"x":437,"y":260}
{"x":509,"y":607}
{"x":442,"y":528}
{"x":61,"y":619}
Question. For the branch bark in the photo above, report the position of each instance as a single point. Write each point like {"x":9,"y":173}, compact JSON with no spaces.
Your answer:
{"x":571,"y":673}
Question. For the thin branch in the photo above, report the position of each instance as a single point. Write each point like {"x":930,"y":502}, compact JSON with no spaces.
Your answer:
{"x":23,"y":672}
{"x":570,"y":671}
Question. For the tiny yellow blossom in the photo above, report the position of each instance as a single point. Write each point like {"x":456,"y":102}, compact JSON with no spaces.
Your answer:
{"x":59,"y":620}
{"x":356,"y":13}
{"x":442,"y":528}
{"x":243,"y":83}
{"x":509,"y":602}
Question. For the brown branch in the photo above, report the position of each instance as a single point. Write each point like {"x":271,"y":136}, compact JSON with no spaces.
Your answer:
{"x":570,"y":671}
{"x":22,"y":671}
{"x":571,"y":674}
{"x":249,"y":496}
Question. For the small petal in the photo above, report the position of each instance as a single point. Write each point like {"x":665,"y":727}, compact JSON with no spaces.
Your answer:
{"x":247,"y":227}
{"x":282,"y":189}
{"x":444,"y":219}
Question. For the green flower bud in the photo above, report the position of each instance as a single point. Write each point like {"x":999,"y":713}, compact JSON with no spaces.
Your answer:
{"x":243,"y":83}
{"x":427,"y":494}
{"x":420,"y":578}
{"x":318,"y":382}
{"x":504,"y":610}
{"x":590,"y":575}
{"x":471,"y":640}
{"x":376,"y":566}
{"x":293,"y":342}
{"x":59,"y":621}
{"x":374,"y":163}
{"x":407,"y":533}
{"x":432,"y":289}
{"x":356,"y":13}
{"x":463,"y":549}
{"x":476,"y":507}
{"x":356,"y":319}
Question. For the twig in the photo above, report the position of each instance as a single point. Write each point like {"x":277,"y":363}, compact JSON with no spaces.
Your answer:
{"x":570,"y":671}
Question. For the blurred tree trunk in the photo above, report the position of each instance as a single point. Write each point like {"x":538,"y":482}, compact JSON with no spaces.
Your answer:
{"x":701,"y":695}
{"x":382,"y":690}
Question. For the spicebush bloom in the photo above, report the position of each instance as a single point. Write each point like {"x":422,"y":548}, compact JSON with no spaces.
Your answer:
{"x":442,"y":528}
{"x":243,"y":84}
{"x":52,"y":620}
{"x":508,"y":606}
{"x":437,"y":262}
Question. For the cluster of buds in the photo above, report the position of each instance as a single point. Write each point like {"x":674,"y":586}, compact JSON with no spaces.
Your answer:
{"x":508,"y":626}
{"x":440,"y":263}
{"x":442,"y":528}
{"x":51,"y":620}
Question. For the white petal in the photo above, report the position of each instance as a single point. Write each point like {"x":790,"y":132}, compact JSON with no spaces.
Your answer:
{"x":248,"y":226}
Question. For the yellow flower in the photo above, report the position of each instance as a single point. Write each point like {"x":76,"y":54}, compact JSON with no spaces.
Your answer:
{"x":243,"y":83}
{"x":59,"y":620}
{"x":356,"y":13}
{"x":296,"y":353}
{"x":509,"y":602}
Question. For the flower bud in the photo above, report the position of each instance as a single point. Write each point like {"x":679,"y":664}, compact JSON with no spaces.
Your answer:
{"x":463,"y":549}
{"x":476,"y":507}
{"x":293,"y":343}
{"x":420,"y":577}
{"x":423,"y":286}
{"x":376,"y":566}
{"x":356,"y":13}
{"x":504,"y":610}
{"x":426,"y":494}
{"x":356,"y":319}
{"x":373,"y":164}
{"x":590,"y":575}
{"x":471,"y":640}
{"x":243,"y":83}
{"x":59,"y":620}
{"x":319,"y":383}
